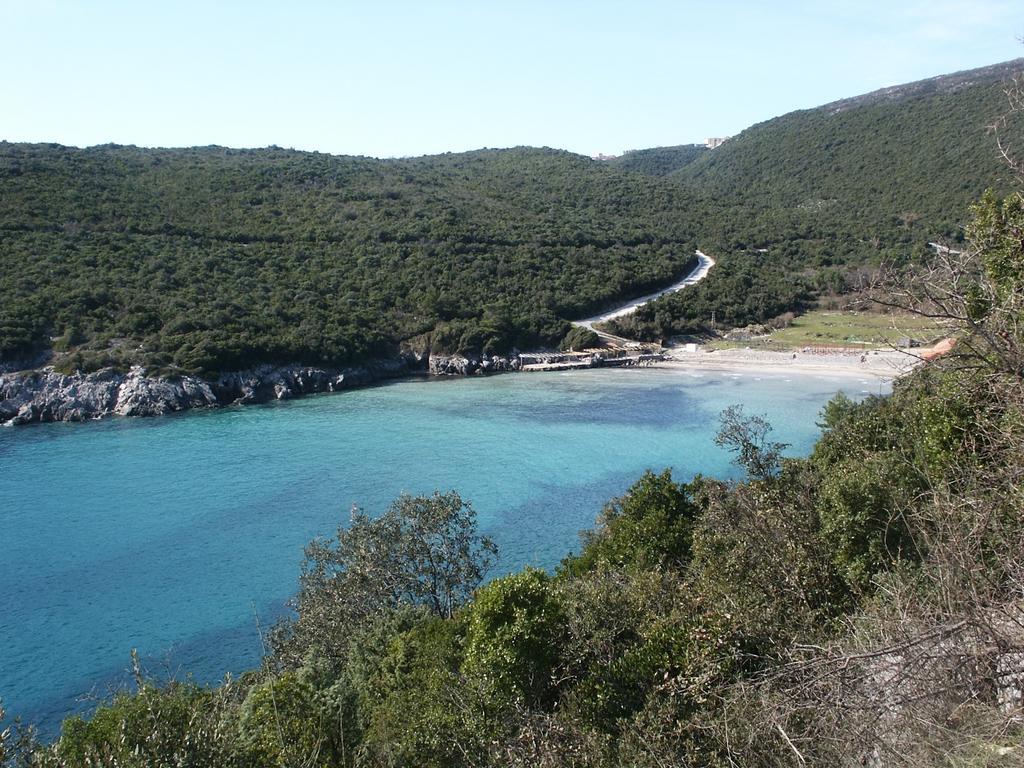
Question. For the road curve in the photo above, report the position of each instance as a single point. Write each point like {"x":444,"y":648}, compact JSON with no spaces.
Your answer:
{"x":704,"y":265}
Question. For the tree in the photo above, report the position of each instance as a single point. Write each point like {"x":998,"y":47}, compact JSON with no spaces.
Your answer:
{"x":650,"y":526}
{"x":747,"y":437}
{"x":514,"y":631}
{"x":423,"y":551}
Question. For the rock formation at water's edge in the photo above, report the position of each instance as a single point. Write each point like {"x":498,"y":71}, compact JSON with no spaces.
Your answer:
{"x":46,"y":395}
{"x":43,"y":394}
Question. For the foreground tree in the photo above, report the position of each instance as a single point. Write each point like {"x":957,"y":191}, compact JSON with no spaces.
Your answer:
{"x":424,"y":551}
{"x":648,"y":527}
{"x":747,"y":437}
{"x":920,"y":501}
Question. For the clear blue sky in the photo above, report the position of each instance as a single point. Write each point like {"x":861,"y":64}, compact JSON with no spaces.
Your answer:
{"x":392,"y":78}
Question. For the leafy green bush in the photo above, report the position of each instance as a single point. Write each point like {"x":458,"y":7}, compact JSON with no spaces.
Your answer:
{"x":648,"y":527}
{"x":417,"y":708}
{"x":177,"y":724}
{"x":283,"y":721}
{"x":513,"y":629}
{"x":862,"y":504}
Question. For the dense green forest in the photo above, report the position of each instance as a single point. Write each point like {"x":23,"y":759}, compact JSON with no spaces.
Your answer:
{"x":211,"y":259}
{"x":816,"y":195}
{"x":914,"y":155}
{"x":860,"y":606}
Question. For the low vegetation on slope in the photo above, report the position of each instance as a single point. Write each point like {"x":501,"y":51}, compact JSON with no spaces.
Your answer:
{"x":214,"y":259}
{"x":860,"y":606}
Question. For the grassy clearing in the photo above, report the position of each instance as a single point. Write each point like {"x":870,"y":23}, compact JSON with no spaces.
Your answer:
{"x":844,"y":329}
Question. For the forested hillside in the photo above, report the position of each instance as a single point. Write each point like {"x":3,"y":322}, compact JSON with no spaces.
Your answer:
{"x":815,"y":194}
{"x":209,"y":259}
{"x":905,"y":159}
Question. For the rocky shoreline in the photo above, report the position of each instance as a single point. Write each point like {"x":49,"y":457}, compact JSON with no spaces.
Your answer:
{"x":45,"y":395}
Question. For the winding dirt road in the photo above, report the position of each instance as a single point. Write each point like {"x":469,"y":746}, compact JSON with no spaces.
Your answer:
{"x":698,"y":273}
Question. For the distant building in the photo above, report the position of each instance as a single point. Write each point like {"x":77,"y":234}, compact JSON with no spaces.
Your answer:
{"x":716,"y":141}
{"x":602,"y":156}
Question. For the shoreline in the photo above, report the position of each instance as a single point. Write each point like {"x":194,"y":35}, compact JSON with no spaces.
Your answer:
{"x":35,"y":397}
{"x":44,"y":395}
{"x":880,"y":363}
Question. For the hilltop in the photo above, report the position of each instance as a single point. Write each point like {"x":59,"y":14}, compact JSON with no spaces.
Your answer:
{"x":932,"y":85}
{"x":909,"y":156}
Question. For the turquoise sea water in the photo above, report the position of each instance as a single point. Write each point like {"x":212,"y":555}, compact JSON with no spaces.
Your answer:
{"x":172,"y":534}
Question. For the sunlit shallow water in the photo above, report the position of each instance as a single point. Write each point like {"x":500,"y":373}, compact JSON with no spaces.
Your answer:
{"x":172,"y":535}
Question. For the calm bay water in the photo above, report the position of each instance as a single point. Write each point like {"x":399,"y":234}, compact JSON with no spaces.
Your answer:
{"x":172,"y":534}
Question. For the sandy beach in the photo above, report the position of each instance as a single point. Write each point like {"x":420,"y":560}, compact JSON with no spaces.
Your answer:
{"x":883,"y":363}
{"x":886,"y":364}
